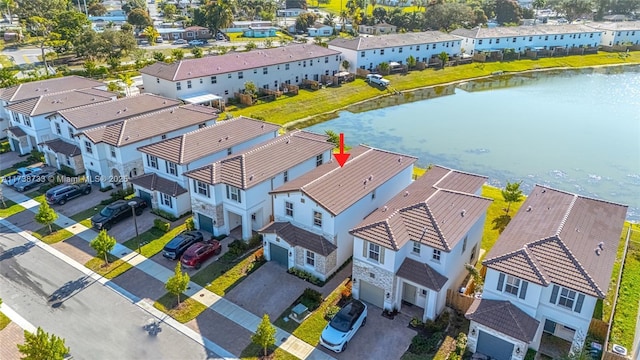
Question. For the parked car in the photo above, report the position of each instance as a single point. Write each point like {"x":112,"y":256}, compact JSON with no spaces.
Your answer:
{"x":196,"y":42}
{"x":220,"y":37}
{"x":22,"y":172}
{"x":180,"y":42}
{"x":343,"y":326}
{"x":30,"y":181}
{"x":60,"y":194}
{"x":179,"y":244}
{"x":200,"y":252}
{"x":159,"y":40}
{"x":378,"y":80}
{"x":116,"y":212}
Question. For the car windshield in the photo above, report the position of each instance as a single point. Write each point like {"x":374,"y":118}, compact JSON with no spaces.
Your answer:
{"x":106,"y":211}
{"x":341,"y":322}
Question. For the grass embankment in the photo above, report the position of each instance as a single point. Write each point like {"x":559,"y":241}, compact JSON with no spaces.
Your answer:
{"x":11,"y":209}
{"x":255,"y":352}
{"x":58,"y":234}
{"x":188,"y":310}
{"x":497,"y":218}
{"x":153,"y":240}
{"x":115,"y":267}
{"x":4,"y":321}
{"x":289,"y":108}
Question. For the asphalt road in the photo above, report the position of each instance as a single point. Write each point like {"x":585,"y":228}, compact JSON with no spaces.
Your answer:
{"x":23,"y":56}
{"x":96,"y":322}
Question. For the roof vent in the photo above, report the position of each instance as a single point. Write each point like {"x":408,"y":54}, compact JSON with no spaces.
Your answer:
{"x":125,"y":109}
{"x":544,"y":191}
{"x":93,"y":99}
{"x":172,"y":111}
{"x":529,"y":209}
{"x":577,"y":230}
{"x":262,"y":126}
{"x":126,"y":138}
{"x":384,"y":208}
{"x":400,"y":159}
{"x":463,"y":212}
{"x":251,"y":178}
{"x":118,"y":112}
{"x":220,"y":140}
{"x":47,"y":89}
{"x":370,"y":177}
{"x":598,"y":251}
{"x":601,"y":245}
{"x":227,"y":138}
{"x":406,"y":193}
{"x":288,"y":141}
{"x":164,"y":102}
{"x":365,"y":181}
{"x":37,"y":89}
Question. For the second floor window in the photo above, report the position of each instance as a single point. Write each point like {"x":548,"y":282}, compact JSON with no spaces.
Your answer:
{"x":317,"y":219}
{"x":152,"y":161}
{"x":201,"y":188}
{"x":214,"y":80}
{"x":70,"y":132}
{"x":172,"y":168}
{"x":112,"y":150}
{"x":319,"y":160}
{"x":512,"y":285}
{"x":436,"y":254}
{"x":373,"y":252}
{"x":464,"y":245}
{"x":566,"y":298}
{"x":233,"y":193}
{"x":285,"y":176}
{"x":265,"y":71}
{"x":88,"y":148}
{"x":288,"y":208}
{"x":188,"y":84}
{"x":58,"y":130}
{"x":240,"y":75}
{"x":416,"y":247}
{"x":178,"y":86}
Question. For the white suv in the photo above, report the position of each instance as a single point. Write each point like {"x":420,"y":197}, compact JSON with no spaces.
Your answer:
{"x":343,"y":326}
{"x":378,"y":80}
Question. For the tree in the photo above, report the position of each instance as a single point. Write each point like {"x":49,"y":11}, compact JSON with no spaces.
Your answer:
{"x":170,"y":11}
{"x":131,"y":5}
{"x":512,"y":194}
{"x":41,"y":8}
{"x":265,"y":335}
{"x":8,"y":77}
{"x":103,"y":244}
{"x":90,"y":68}
{"x":573,"y":9}
{"x":250,"y":46}
{"x":334,"y":138}
{"x":411,"y":62}
{"x":97,"y":9}
{"x":218,"y":14}
{"x":384,"y":68}
{"x":177,"y":54}
{"x":250,"y":88}
{"x":305,"y":21}
{"x":69,"y":25}
{"x":444,"y":57}
{"x":42,"y":346}
{"x":508,"y":12}
{"x":8,"y":6}
{"x":41,"y":28}
{"x":330,"y":20}
{"x":127,"y":81}
{"x":151,"y":34}
{"x":46,"y":215}
{"x":447,"y":15}
{"x":379,"y":14}
{"x":346,"y":65}
{"x":158,"y":55}
{"x":197,"y":52}
{"x":178,"y":283}
{"x":139,"y":18}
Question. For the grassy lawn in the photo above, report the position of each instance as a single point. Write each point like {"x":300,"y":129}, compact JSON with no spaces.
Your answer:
{"x":11,"y":209}
{"x":5,"y":62}
{"x":233,"y":276}
{"x":187,"y":311}
{"x":58,"y":234}
{"x":254,"y":352}
{"x":84,"y":217}
{"x":115,"y":268}
{"x":288,"y":108}
{"x":238,"y":37}
{"x":334,"y":7}
{"x":626,"y":313}
{"x":154,"y":240}
{"x":4,"y":321}
{"x":37,"y":195}
{"x":7,"y":171}
{"x":495,"y":215}
{"x":604,"y":307}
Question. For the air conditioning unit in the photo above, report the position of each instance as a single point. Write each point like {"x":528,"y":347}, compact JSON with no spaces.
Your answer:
{"x":619,"y":349}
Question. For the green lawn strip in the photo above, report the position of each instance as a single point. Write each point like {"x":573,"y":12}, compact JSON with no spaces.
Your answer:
{"x":86,"y":215}
{"x":37,"y":195}
{"x":115,"y":268}
{"x":7,"y":171}
{"x":58,"y":234}
{"x":86,"y":223}
{"x":235,"y":275}
{"x":495,"y":211}
{"x":255,"y":352}
{"x":187,"y":311}
{"x":288,"y":108}
{"x":237,"y":37}
{"x":4,"y":321}
{"x":626,"y":313}
{"x":154,"y":240}
{"x":11,"y":209}
{"x":604,"y":307}
{"x":289,"y":326}
{"x":205,"y":276}
{"x":5,"y":62}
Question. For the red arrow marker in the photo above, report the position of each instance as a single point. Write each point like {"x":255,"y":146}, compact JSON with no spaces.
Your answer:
{"x":341,"y":157}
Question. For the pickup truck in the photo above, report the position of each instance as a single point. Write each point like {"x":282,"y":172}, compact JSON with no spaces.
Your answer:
{"x":117,"y":211}
{"x":31,"y":181}
{"x":378,"y":80}
{"x":11,"y":180}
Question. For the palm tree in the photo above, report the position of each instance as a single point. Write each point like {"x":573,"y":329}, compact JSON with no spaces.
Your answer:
{"x":344,"y":16}
{"x":8,"y":5}
{"x":444,"y":57}
{"x":537,"y":5}
{"x":151,"y":34}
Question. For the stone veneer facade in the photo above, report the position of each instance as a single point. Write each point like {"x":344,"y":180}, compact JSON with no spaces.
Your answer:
{"x":323,"y":264}
{"x":206,"y":208}
{"x":384,"y":279}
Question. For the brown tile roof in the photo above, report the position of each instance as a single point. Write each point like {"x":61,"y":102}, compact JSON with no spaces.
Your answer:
{"x":421,"y":274}
{"x":154,"y":182}
{"x":430,"y":210}
{"x":115,"y":110}
{"x":17,"y":131}
{"x":336,"y":188}
{"x":296,"y":236}
{"x":50,"y":103}
{"x":232,"y":62}
{"x":133,"y":130}
{"x":555,"y":238}
{"x":504,"y":317}
{"x":264,"y":161}
{"x":62,"y":147}
{"x":392,"y":40}
{"x":209,"y":140}
{"x":38,"y":88}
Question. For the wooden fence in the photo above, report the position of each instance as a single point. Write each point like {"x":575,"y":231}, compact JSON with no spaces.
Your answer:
{"x":598,"y":329}
{"x":459,"y":301}
{"x":608,"y":355}
{"x":289,"y":89}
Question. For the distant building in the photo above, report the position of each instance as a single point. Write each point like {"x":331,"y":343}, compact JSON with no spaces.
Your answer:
{"x":377,"y":29}
{"x":259,"y":32}
{"x":618,"y":33}
{"x":320,"y":30}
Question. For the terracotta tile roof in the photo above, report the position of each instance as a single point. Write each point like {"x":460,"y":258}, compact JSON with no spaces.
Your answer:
{"x":264,"y":161}
{"x":392,"y":40}
{"x":133,"y":130}
{"x":296,"y":236}
{"x":504,"y":317}
{"x":53,"y":102}
{"x":555,"y":238}
{"x":17,"y":131}
{"x":209,"y":140}
{"x":437,"y":210}
{"x":62,"y":147}
{"x":511,"y":31}
{"x":336,"y":188}
{"x":421,"y":274}
{"x":38,"y":88}
{"x":232,"y":62}
{"x":157,"y":183}
{"x":116,"y":110}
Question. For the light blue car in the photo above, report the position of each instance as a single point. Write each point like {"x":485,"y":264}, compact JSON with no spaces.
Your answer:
{"x":343,"y":326}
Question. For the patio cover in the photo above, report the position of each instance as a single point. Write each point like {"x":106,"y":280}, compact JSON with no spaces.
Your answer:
{"x":201,"y":98}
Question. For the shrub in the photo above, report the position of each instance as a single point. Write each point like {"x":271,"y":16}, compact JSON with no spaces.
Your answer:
{"x":461,"y":343}
{"x":255,"y":241}
{"x":312,"y":295}
{"x":331,"y":312}
{"x":424,"y":345}
{"x":5,"y":147}
{"x":67,"y":170}
{"x":36,"y":156}
{"x":164,"y":214}
{"x":190,"y":224}
{"x":346,"y":292}
{"x":238,"y":247}
{"x":259,"y":256}
{"x":161,"y":225}
{"x":415,"y":322}
{"x":121,"y":193}
{"x":305,"y":275}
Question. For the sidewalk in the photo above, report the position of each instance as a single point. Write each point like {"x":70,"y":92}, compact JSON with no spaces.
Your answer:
{"x":231,"y":311}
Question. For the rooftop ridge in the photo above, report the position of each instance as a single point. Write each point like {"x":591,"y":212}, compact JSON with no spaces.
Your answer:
{"x":436,"y":226}
{"x":272,"y":142}
{"x":566,"y":215}
{"x":533,"y":261}
{"x":182,"y":140}
{"x":62,"y":112}
{"x":335,"y":169}
{"x":578,"y":265}
{"x":175,"y":73}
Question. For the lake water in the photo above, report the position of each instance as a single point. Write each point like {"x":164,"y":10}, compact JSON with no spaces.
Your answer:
{"x":575,"y":132}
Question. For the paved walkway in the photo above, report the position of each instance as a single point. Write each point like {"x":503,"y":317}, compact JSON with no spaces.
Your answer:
{"x":13,"y":334}
{"x":231,"y":311}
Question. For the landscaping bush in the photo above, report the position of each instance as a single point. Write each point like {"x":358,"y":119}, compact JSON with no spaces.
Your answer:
{"x":35,"y":157}
{"x":425,"y":345}
{"x":164,"y":214}
{"x":305,"y":275}
{"x":20,"y":164}
{"x":311,"y":299}
{"x":5,"y":147}
{"x":121,"y":194}
{"x":190,"y":224}
{"x":161,"y":225}
{"x":415,"y":322}
{"x":259,"y":256}
{"x":331,"y":312}
{"x":67,"y":171}
{"x":238,"y":247}
{"x":255,"y":241}
{"x":461,"y":344}
{"x":346,"y":292}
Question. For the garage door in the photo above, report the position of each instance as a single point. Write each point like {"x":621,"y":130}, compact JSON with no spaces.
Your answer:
{"x":279,"y":254}
{"x":494,"y":347}
{"x":205,"y":223}
{"x":146,"y":197}
{"x":371,"y":294}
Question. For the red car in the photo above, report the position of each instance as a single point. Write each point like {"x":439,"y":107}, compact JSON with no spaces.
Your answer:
{"x":200,"y":252}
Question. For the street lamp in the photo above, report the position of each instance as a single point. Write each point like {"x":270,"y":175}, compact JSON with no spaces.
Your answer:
{"x":135,"y":222}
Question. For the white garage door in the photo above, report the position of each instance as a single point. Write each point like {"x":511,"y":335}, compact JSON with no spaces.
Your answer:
{"x":371,"y":294}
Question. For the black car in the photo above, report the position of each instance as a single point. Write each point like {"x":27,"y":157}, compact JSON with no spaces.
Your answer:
{"x":179,"y":244}
{"x":115,"y":212}
{"x":62,"y":193}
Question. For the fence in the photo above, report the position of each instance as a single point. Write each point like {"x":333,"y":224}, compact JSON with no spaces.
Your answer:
{"x":608,"y":355}
{"x":459,"y":301}
{"x":598,"y":329}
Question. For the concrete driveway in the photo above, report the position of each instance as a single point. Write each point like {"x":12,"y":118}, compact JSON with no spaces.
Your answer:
{"x":171,"y":264}
{"x":82,"y":203}
{"x":387,"y":339}
{"x":125,"y":229}
{"x":270,"y":289}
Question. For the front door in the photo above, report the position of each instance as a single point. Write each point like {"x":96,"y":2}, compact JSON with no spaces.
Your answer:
{"x":549,"y":326}
{"x":409,"y":293}
{"x":16,"y":144}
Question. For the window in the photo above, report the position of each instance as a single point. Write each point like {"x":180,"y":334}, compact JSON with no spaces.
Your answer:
{"x":240,"y":75}
{"x":423,"y":292}
{"x":288,"y":208}
{"x":164,"y":136}
{"x":214,"y":80}
{"x":229,"y":151}
{"x":530,"y":38}
{"x":178,"y":86}
{"x":27,"y":121}
{"x":381,"y":51}
{"x":567,"y":298}
{"x":317,"y":219}
{"x":58,"y":130}
{"x":88,"y":148}
{"x":112,"y":150}
{"x":326,"y":59}
{"x":473,"y":253}
{"x":166,"y":200}
{"x":480,"y":42}
{"x":152,"y":161}
{"x":233,"y":193}
{"x":374,"y":252}
{"x":285,"y":176}
{"x":265,"y":71}
{"x":513,"y":285}
{"x":201,"y":188}
{"x":373,"y":195}
{"x":310,"y":258}
{"x":229,"y":76}
{"x":157,"y":80}
{"x":188,"y":84}
{"x":200,"y":80}
{"x":361,"y":53}
{"x":255,"y":71}
{"x":399,"y":50}
{"x":514,"y":39}
{"x":304,"y":63}
{"x":286,"y":66}
{"x":416,"y":248}
{"x":171,"y":168}
{"x":226,"y":92}
{"x":497,"y":41}
{"x":436,"y":255}
{"x":417,"y":47}
{"x":464,"y":244}
{"x":319,"y":160}
{"x":70,"y":130}
{"x":68,"y":159}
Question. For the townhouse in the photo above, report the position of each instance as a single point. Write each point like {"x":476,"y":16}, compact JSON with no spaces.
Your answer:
{"x":415,"y":247}
{"x":367,"y":52}
{"x":234,"y":192}
{"x":618,"y":33}
{"x":212,"y":78}
{"x":25,"y":107}
{"x":544,"y":275}
{"x":314,"y":213}
{"x":110,"y":154}
{"x":163,"y":184}
{"x":377,"y":29}
{"x":522,"y":38}
{"x":320,"y":30}
{"x":188,"y":33}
